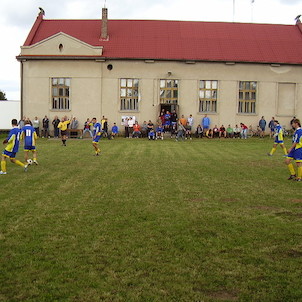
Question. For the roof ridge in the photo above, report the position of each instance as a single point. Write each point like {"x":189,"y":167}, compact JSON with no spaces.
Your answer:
{"x":33,"y":30}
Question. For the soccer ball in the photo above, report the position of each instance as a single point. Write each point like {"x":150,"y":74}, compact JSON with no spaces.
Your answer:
{"x":30,"y":161}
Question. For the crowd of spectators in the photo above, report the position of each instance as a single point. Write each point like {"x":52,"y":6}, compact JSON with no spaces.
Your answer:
{"x":168,"y":124}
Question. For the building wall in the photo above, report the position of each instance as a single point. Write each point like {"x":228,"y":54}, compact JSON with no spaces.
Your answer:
{"x":9,"y":110}
{"x":95,"y":89}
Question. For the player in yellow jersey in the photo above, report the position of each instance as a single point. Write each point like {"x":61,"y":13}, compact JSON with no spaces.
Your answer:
{"x":295,"y":153}
{"x":278,"y":130}
{"x":12,"y":148}
{"x":63,"y":125}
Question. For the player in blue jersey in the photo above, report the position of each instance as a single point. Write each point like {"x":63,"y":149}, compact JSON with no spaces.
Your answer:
{"x":295,"y":152}
{"x":278,"y":133}
{"x":29,"y":136}
{"x":96,"y":136}
{"x":12,"y":148}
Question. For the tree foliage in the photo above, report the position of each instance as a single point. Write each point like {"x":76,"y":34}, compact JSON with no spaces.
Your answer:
{"x":2,"y":95}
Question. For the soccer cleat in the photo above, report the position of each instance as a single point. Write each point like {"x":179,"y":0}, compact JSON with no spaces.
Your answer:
{"x":298,"y":179}
{"x":25,"y":168}
{"x":2,"y":173}
{"x":35,"y":162}
{"x":268,"y":154}
{"x":292,"y":177}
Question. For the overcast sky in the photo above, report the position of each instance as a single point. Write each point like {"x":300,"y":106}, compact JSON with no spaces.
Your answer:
{"x":18,"y":16}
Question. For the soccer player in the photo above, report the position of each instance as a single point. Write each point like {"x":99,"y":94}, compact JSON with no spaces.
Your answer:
{"x":278,"y":139}
{"x":63,"y":126}
{"x":29,"y":135}
{"x":12,"y":148}
{"x":295,"y":152}
{"x":96,"y":136}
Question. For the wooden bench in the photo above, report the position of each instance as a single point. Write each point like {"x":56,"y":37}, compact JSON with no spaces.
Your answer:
{"x":75,"y":133}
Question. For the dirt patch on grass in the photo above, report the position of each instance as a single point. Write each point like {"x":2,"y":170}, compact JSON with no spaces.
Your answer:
{"x":223,"y":296}
{"x":294,"y":253}
{"x":266,"y":208}
{"x":296,"y":200}
{"x":289,"y":214}
{"x":197,"y":199}
{"x":229,"y":199}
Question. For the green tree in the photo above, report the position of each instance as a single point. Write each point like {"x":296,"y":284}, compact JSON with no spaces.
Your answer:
{"x":2,"y":95}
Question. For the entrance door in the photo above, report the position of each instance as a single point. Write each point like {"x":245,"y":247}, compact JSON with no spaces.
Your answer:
{"x":168,"y":107}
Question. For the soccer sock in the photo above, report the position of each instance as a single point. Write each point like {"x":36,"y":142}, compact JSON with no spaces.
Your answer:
{"x":64,"y":141}
{"x":17,"y":162}
{"x":272,"y":151}
{"x":3,"y":165}
{"x":291,"y":169}
{"x":299,"y":174}
{"x":284,"y":150}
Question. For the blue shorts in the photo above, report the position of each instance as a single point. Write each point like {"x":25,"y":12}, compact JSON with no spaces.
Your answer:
{"x":278,"y":141}
{"x":29,"y":148}
{"x":96,"y":139}
{"x":295,"y":154}
{"x":9,"y":154}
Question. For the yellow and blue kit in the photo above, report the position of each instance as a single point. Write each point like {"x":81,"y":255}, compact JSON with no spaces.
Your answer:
{"x":13,"y":141}
{"x":279,"y":135}
{"x":29,"y":135}
{"x":296,"y":153}
{"x":96,"y":132}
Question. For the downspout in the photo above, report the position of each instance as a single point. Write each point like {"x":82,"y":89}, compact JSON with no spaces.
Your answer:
{"x":21,"y":92}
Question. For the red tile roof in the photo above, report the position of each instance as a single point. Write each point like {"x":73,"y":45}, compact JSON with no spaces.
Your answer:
{"x":182,"y":40}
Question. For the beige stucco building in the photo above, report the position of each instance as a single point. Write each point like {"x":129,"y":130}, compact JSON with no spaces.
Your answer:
{"x":232,"y":72}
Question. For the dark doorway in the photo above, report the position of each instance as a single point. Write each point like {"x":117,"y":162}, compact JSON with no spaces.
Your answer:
{"x":168,"y":107}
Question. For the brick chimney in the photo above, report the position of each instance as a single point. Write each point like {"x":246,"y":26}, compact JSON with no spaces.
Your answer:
{"x":104,"y":30}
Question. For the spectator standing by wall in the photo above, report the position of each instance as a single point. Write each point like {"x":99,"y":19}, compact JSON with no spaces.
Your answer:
{"x":87,"y":127}
{"x":272,"y":125}
{"x":55,"y":124}
{"x":45,"y":123}
{"x":262,"y":125}
{"x":205,"y":122}
{"x":243,"y":131}
{"x":191,"y":121}
{"x":36,"y":125}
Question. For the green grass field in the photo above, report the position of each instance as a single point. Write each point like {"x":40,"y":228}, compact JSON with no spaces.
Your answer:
{"x":201,"y":220}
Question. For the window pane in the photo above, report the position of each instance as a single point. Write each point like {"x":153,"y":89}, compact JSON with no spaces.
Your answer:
{"x":208,"y":84}
{"x":129,"y":92}
{"x":123,"y":92}
{"x":201,"y":84}
{"x":214,"y":84}
{"x":123,"y":82}
{"x":135,"y":83}
{"x":208,"y":94}
{"x":162,"y":83}
{"x":129,"y":83}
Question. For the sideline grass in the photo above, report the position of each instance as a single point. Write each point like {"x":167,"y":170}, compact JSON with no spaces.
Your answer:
{"x":201,"y":220}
